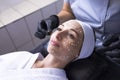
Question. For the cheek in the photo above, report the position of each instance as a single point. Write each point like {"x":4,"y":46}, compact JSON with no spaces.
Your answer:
{"x":51,"y":49}
{"x":72,"y":47}
{"x":67,"y":45}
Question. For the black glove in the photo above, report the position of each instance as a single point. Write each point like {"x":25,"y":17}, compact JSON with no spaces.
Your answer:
{"x":46,"y":26}
{"x":111,"y":42}
{"x":111,"y":47}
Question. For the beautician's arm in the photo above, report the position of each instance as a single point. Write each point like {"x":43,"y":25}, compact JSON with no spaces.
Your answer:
{"x":65,"y":14}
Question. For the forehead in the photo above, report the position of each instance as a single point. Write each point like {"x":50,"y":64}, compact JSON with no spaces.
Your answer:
{"x":72,"y":24}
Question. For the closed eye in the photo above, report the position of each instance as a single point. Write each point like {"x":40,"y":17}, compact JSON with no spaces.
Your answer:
{"x":71,"y":36}
{"x":58,"y":29}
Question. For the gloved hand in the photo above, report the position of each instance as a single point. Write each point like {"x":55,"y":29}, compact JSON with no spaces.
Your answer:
{"x":110,"y":47}
{"x":46,"y":26}
{"x":111,"y":42}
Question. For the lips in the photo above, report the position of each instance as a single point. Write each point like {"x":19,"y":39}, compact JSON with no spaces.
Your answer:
{"x":54,"y":43}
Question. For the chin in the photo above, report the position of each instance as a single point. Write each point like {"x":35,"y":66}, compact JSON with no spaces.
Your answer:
{"x":52,"y":50}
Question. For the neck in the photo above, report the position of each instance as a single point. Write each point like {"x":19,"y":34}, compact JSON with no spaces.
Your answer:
{"x":51,"y":62}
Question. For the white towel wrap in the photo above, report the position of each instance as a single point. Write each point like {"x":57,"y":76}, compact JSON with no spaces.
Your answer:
{"x":88,"y":42}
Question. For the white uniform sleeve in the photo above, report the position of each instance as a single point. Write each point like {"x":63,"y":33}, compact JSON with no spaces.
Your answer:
{"x":66,"y":1}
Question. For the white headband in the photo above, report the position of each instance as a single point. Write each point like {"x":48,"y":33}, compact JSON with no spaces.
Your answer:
{"x":88,"y":42}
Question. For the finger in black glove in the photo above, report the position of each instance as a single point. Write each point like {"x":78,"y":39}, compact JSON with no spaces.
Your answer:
{"x":111,"y":42}
{"x":110,"y":39}
{"x":46,"y":26}
{"x":40,"y":33}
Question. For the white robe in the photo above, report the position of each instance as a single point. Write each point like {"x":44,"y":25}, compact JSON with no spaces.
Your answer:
{"x":17,"y":66}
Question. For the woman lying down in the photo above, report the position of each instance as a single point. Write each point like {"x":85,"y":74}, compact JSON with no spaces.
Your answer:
{"x":72,"y":40}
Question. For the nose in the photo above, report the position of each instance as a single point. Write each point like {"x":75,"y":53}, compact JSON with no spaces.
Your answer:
{"x":60,"y":35}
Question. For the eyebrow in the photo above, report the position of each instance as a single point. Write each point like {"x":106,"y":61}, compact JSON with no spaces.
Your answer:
{"x":72,"y":30}
{"x":75,"y":31}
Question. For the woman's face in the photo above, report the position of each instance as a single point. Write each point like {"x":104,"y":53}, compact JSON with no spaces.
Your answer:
{"x":66,"y":41}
